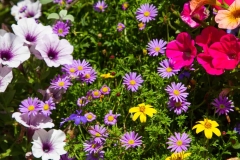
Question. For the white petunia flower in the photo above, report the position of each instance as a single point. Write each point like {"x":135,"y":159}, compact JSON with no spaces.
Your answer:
{"x":5,"y":77}
{"x":18,"y":10}
{"x":2,"y":32}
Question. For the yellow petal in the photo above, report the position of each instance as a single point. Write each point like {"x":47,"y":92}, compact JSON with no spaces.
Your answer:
{"x":148,"y":106}
{"x":168,"y":158}
{"x":196,"y":126}
{"x":200,"y":128}
{"x":150,"y":111}
{"x":208,"y":133}
{"x":136,"y":115}
{"x":216,"y":131}
{"x":186,"y":155}
{"x":143,"y":118}
{"x":142,"y":105}
{"x":134,"y":109}
{"x":214,"y":124}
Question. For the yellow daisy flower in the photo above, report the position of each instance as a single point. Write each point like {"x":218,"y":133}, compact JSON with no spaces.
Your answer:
{"x":208,"y":126}
{"x":108,"y":75}
{"x":178,"y":156}
{"x":142,"y":110}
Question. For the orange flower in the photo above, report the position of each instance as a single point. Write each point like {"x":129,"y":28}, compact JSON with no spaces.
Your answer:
{"x":229,"y":19}
{"x":195,"y":4}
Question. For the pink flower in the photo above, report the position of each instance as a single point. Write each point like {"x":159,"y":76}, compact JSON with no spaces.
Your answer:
{"x":225,"y":53}
{"x":182,"y":50}
{"x":194,"y":19}
{"x":208,"y":36}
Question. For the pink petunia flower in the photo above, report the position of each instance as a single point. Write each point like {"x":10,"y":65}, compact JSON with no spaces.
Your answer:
{"x":182,"y":50}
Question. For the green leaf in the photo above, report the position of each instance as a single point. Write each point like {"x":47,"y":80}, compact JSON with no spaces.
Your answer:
{"x":7,"y":97}
{"x":236,"y":146}
{"x":45,"y":1}
{"x":69,"y":17}
{"x":53,"y":16}
{"x":63,"y":13}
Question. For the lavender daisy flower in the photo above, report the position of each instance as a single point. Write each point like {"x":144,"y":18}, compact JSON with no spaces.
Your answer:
{"x":125,"y":6}
{"x":30,"y":106}
{"x":70,"y":70}
{"x":61,"y":29}
{"x":146,"y":13}
{"x":179,"y":143}
{"x":60,"y":82}
{"x":110,"y":118}
{"x":48,"y":145}
{"x":78,"y":118}
{"x":89,"y":76}
{"x":100,"y":6}
{"x":156,"y":46}
{"x":131,"y":140}
{"x":141,"y":26}
{"x":55,"y":52}
{"x":223,"y":105}
{"x":47,"y":106}
{"x":132,"y":81}
{"x":105,"y":90}
{"x":95,"y":156}
{"x":89,"y":96}
{"x":177,"y":92}
{"x":81,"y":66}
{"x":178,"y":107}
{"x":120,"y":27}
{"x":12,"y":51}
{"x":167,"y":68}
{"x":90,"y":116}
{"x":81,"y":102}
{"x":91,"y":146}
{"x":96,"y":94}
{"x":5,"y":77}
{"x":99,"y":133}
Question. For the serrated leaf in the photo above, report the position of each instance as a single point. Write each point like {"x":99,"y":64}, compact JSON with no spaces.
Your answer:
{"x":45,"y":1}
{"x":63,"y":13}
{"x":53,"y":16}
{"x":69,"y":17}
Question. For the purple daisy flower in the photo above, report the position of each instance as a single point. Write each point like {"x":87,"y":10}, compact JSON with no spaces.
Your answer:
{"x":5,"y":77}
{"x":141,"y":26}
{"x":70,"y":70}
{"x":90,"y":116}
{"x":95,"y":156}
{"x":110,"y":118}
{"x":132,"y":81}
{"x":179,"y":143}
{"x":55,"y":52}
{"x":223,"y":105}
{"x":131,"y":140}
{"x":146,"y":13}
{"x":91,"y":146}
{"x":61,"y":29}
{"x":167,"y":68}
{"x":89,"y":76}
{"x":100,"y":6}
{"x":99,"y":133}
{"x":178,"y":107}
{"x":120,"y":27}
{"x":177,"y":92}
{"x":78,"y":118}
{"x":60,"y":82}
{"x":47,"y":106}
{"x":30,"y":106}
{"x":81,"y":66}
{"x":96,"y":94}
{"x":89,"y":96}
{"x":156,"y":46}
{"x":65,"y":157}
{"x":81,"y":102}
{"x":105,"y":90}
{"x":125,"y":6}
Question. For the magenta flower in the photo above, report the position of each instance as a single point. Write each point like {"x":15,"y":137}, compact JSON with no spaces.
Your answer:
{"x":146,"y":13}
{"x":177,"y":92}
{"x":96,"y":94}
{"x":132,"y":81}
{"x":167,"y":68}
{"x":5,"y":77}
{"x":178,"y":107}
{"x":60,"y":82}
{"x":81,"y":66}
{"x":61,"y":29}
{"x":182,"y":50}
{"x":125,"y":6}
{"x":179,"y":143}
{"x":120,"y":27}
{"x":105,"y":90}
{"x":90,"y":116}
{"x":47,"y":106}
{"x":110,"y":118}
{"x":223,"y":105}
{"x":81,"y":102}
{"x":156,"y":46}
{"x":194,"y":19}
{"x":99,"y":133}
{"x":131,"y":140}
{"x":89,"y":76}
{"x":91,"y":146}
{"x":30,"y":106}
{"x":100,"y":6}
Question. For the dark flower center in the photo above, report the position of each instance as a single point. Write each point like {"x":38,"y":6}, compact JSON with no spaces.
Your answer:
{"x":232,"y":56}
{"x":6,"y":55}
{"x":30,"y":14}
{"x":46,"y":147}
{"x":52,"y":54}
{"x":30,"y":38}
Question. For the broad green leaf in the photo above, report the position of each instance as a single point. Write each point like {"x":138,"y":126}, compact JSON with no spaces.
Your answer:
{"x":69,"y":17}
{"x":236,"y":146}
{"x":7,"y":97}
{"x":53,"y":16}
{"x":45,"y":1}
{"x":63,"y":13}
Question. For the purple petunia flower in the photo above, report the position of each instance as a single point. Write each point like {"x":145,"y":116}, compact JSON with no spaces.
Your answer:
{"x":178,"y":107}
{"x":131,"y":140}
{"x":81,"y":102}
{"x":30,"y":106}
{"x":179,"y":143}
{"x":110,"y":118}
{"x":96,"y":94}
{"x":95,"y":156}
{"x":81,"y":66}
{"x":120,"y":27}
{"x":60,"y":82}
{"x":146,"y":13}
{"x":78,"y":118}
{"x":141,"y":26}
{"x":132,"y":81}
{"x":223,"y":105}
{"x":91,"y":146}
{"x":90,"y":116}
{"x":89,"y":76}
{"x":61,"y":29}
{"x":177,"y":92}
{"x":105,"y":90}
{"x":47,"y":106}
{"x":125,"y":6}
{"x":167,"y":68}
{"x":5,"y":77}
{"x":156,"y":46}
{"x":100,"y":6}
{"x":99,"y":133}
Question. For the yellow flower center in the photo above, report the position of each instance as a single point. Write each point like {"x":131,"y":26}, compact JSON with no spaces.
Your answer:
{"x":125,"y":5}
{"x":132,"y":82}
{"x":72,"y":70}
{"x":157,"y":49}
{"x":178,"y":104}
{"x":96,"y":93}
{"x":31,"y":107}
{"x":80,"y":101}
{"x":146,"y":14}
{"x":221,"y":106}
{"x":179,"y":143}
{"x":105,"y":89}
{"x":89,"y":116}
{"x":131,"y":142}
{"x":93,"y":146}
{"x":110,"y":118}
{"x":176,"y":92}
{"x":140,"y":25}
{"x":120,"y":27}
{"x":98,"y":135}
{"x":169,"y":69}
{"x":87,"y":76}
{"x":46,"y":107}
{"x":80,"y":68}
{"x":142,"y":108}
{"x":61,"y":84}
{"x":208,"y":125}
{"x":236,"y":13}
{"x":60,"y":31}
{"x":100,"y":7}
